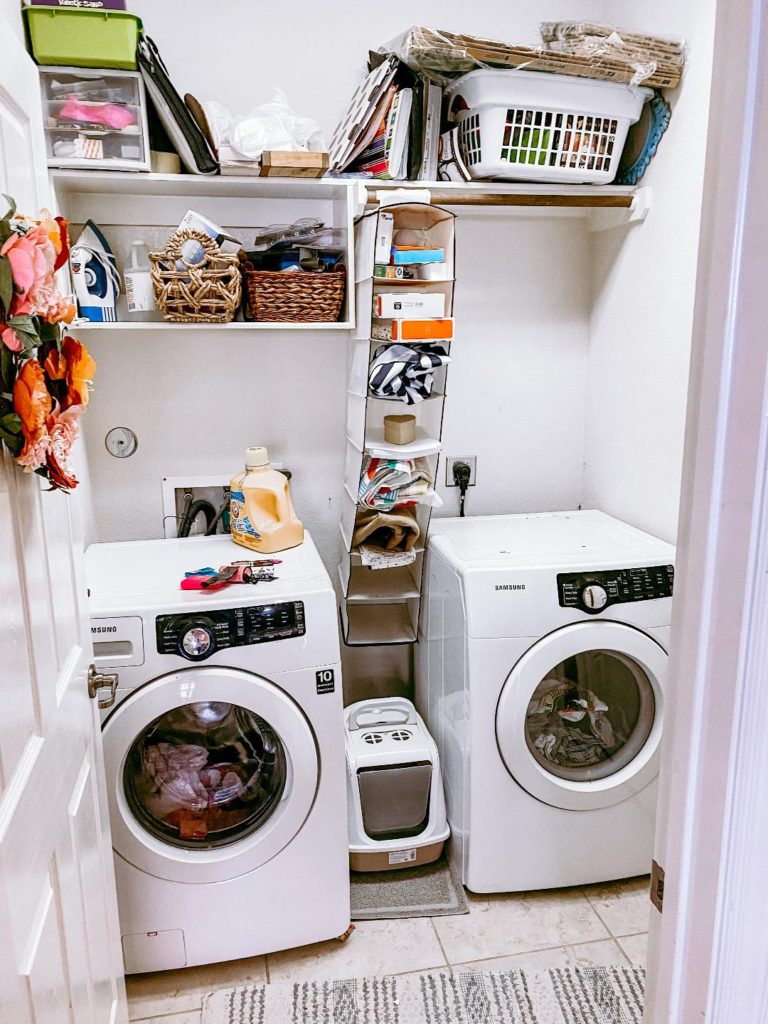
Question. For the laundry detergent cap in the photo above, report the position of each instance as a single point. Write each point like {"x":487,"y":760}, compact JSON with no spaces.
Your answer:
{"x":256,"y":457}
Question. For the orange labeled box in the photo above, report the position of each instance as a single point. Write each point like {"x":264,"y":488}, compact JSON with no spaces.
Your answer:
{"x":413,"y":330}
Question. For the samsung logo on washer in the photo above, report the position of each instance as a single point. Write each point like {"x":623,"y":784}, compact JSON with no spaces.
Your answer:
{"x":103,"y":629}
{"x":509,"y":586}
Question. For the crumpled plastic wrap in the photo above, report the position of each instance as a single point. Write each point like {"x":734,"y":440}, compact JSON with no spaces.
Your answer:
{"x":272,"y":125}
{"x":581,"y":49}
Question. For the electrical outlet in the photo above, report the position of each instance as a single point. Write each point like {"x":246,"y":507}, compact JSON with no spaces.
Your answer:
{"x":451,"y":460}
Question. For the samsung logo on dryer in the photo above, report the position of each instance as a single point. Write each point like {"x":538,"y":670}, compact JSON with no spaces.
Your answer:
{"x":509,"y":586}
{"x":103,"y":629}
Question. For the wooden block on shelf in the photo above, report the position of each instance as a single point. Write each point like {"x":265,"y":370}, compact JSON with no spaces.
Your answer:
{"x":287,"y":164}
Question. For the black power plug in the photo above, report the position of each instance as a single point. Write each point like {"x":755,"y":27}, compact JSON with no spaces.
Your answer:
{"x":462,"y":473}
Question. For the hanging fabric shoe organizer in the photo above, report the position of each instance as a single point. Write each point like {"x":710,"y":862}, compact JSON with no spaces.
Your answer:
{"x":399,"y":358}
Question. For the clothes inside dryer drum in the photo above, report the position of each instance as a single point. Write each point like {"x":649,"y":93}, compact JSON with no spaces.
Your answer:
{"x":590,"y":716}
{"x":205,"y":774}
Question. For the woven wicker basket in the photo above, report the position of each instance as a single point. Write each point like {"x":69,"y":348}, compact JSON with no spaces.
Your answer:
{"x":205,"y":292}
{"x":297,"y":297}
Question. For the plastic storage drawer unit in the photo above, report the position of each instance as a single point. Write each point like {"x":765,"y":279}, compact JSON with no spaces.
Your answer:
{"x":83,"y":39}
{"x":95,"y":119}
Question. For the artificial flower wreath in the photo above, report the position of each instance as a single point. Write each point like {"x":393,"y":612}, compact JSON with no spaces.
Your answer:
{"x":45,"y":374}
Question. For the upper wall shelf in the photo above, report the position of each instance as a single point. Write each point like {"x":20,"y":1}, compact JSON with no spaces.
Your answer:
{"x":447,"y":193}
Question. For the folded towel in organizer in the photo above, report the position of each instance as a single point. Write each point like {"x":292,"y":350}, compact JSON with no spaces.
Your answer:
{"x":392,"y":531}
{"x":405,"y":372}
{"x":385,"y":483}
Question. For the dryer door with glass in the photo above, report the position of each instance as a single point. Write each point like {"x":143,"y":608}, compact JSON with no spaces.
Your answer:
{"x":578,"y":722}
{"x":211,"y":772}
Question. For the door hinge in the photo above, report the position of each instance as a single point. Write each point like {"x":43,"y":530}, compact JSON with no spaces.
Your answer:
{"x":657,"y":886}
{"x":102,"y":687}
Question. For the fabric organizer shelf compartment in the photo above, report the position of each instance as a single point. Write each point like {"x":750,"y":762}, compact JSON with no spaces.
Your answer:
{"x":372,"y":624}
{"x":398,"y":364}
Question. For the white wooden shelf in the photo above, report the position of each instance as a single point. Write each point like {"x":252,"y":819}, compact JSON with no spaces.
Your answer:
{"x":448,"y":193}
{"x":235,"y":325}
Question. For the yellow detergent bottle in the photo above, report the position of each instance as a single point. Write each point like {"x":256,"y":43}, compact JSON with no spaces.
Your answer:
{"x":262,"y":516}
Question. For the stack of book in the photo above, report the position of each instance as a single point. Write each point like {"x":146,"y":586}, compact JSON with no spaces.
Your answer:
{"x":392,"y":127}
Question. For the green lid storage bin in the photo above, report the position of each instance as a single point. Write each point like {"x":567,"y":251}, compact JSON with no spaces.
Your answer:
{"x":83,"y":39}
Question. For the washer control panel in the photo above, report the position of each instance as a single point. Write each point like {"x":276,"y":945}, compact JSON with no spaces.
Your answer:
{"x":198,"y":636}
{"x":593,"y":592}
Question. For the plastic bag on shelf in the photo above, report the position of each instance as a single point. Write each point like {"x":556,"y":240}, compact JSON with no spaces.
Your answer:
{"x":272,"y":125}
{"x":629,"y":58}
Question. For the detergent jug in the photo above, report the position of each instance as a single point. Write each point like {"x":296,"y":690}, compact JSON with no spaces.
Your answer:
{"x":262,"y":516}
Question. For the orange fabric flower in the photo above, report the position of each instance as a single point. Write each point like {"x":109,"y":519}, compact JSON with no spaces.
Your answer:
{"x":74,"y":365}
{"x":33,"y":406}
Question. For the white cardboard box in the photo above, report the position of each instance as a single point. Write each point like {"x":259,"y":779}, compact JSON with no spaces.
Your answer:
{"x":396,"y":305}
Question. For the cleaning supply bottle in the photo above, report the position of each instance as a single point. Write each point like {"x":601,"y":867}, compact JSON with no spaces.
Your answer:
{"x":262,"y":516}
{"x":138,"y":285}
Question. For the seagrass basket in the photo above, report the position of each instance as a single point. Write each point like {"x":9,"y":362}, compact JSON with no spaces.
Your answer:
{"x":207,"y":291}
{"x":301,"y":296}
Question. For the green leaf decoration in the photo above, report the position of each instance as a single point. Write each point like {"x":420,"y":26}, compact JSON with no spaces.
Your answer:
{"x":6,"y":284}
{"x":11,"y":207}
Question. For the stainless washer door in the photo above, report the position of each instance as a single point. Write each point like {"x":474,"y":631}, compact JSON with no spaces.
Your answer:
{"x":578,"y":722}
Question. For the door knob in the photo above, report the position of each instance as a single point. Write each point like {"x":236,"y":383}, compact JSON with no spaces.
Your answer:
{"x":102,"y":686}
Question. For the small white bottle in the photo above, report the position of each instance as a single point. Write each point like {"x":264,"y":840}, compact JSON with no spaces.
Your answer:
{"x":138,"y":285}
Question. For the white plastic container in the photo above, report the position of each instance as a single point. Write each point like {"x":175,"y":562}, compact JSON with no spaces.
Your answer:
{"x":395,"y":804}
{"x":262,"y":516}
{"x":533,"y":126}
{"x":139,"y":294}
{"x":95,"y":119}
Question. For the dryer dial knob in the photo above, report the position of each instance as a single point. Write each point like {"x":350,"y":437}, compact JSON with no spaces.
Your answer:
{"x":594,"y":597}
{"x":197,"y":641}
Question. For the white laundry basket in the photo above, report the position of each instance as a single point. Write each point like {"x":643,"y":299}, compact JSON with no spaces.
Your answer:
{"x":396,"y":805}
{"x":533,"y":126}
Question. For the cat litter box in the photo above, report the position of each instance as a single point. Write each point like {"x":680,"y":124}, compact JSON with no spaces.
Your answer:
{"x":396,"y":805}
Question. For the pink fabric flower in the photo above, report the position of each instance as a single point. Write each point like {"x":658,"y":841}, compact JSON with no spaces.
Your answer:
{"x":33,"y":258}
{"x":10,"y":338}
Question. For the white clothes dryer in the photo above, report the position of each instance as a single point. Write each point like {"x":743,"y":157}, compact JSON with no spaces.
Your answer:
{"x":541,"y":673}
{"x":224,"y":753}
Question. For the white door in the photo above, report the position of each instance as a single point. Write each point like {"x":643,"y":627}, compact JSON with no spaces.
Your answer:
{"x":579,"y":717}
{"x":59,"y":954}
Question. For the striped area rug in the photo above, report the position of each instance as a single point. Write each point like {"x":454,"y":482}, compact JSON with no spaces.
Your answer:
{"x":571,"y":995}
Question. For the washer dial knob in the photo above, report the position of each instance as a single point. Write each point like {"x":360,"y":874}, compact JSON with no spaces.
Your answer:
{"x":594,"y":597}
{"x":197,"y":641}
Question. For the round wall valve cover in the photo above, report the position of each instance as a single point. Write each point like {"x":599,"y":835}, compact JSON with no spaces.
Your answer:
{"x":121,"y":442}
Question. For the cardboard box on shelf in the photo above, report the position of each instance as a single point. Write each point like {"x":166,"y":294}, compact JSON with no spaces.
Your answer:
{"x":413,"y":330}
{"x":409,"y":304}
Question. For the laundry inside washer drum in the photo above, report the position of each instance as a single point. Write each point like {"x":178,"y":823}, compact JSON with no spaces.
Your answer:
{"x":205,"y":774}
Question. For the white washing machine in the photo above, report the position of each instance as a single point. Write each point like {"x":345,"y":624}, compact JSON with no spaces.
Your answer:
{"x":541,"y":674}
{"x":224,"y":753}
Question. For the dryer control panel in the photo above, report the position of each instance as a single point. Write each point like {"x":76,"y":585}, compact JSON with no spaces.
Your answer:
{"x":198,"y":636}
{"x":593,"y":592}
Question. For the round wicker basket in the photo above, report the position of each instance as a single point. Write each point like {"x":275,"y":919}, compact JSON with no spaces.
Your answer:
{"x":206,"y":291}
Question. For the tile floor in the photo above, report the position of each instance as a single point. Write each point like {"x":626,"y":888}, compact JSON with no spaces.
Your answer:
{"x":596,"y":924}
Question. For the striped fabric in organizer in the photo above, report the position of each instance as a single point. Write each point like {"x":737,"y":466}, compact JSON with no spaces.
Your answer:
{"x":406,"y":372}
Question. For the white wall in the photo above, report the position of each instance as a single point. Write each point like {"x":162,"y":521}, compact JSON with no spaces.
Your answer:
{"x":9,"y":12}
{"x":517,"y":384}
{"x":643,"y":291}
